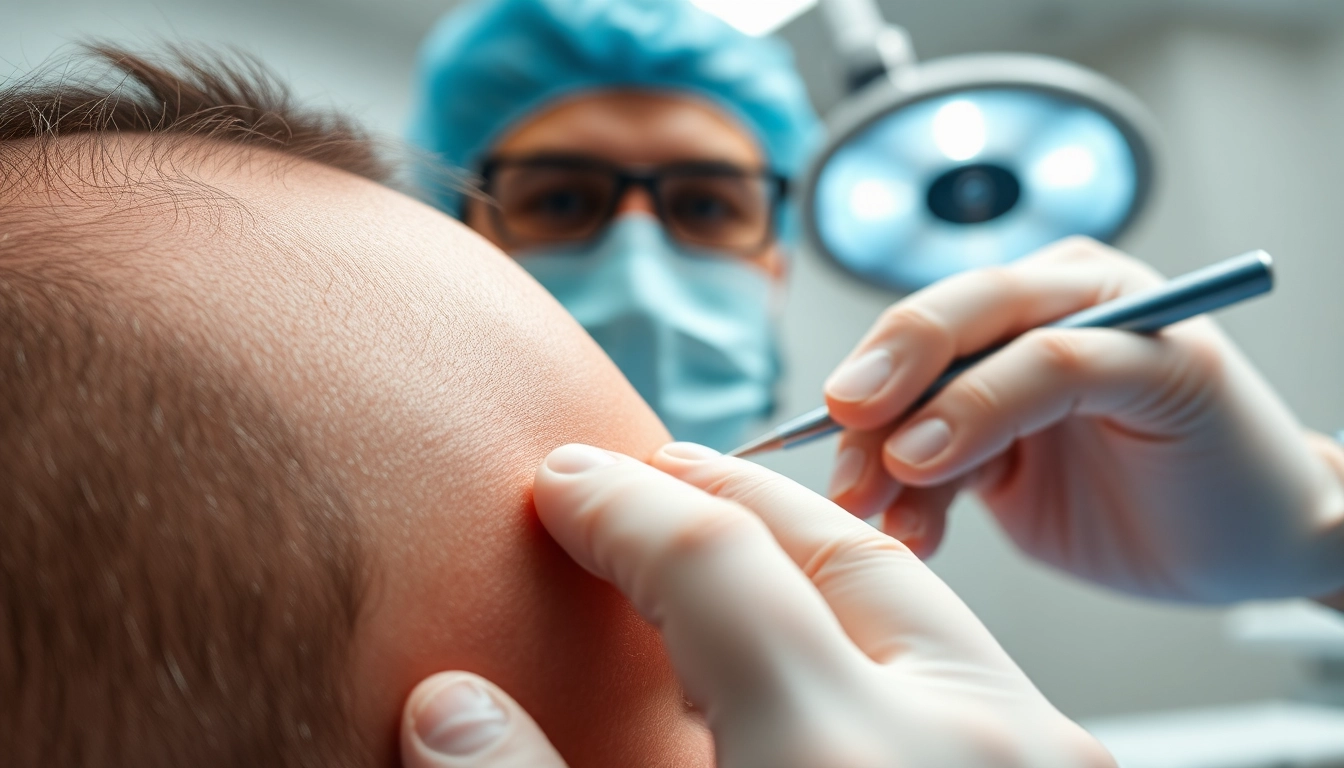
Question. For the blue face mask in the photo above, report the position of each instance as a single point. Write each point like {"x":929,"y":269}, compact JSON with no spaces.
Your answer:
{"x":691,"y":331}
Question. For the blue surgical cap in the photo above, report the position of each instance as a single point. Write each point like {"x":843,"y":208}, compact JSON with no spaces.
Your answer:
{"x":490,"y":63}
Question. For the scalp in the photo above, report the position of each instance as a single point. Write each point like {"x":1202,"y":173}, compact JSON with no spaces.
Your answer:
{"x":179,"y":579}
{"x":181,"y":574}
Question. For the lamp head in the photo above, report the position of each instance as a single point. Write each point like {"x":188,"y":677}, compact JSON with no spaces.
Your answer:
{"x":970,"y":161}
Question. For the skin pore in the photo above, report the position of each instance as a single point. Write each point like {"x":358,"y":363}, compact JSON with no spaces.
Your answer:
{"x":633,"y":128}
{"x":431,"y":376}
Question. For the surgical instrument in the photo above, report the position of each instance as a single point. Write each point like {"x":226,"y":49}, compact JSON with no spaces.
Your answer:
{"x":1205,"y":290}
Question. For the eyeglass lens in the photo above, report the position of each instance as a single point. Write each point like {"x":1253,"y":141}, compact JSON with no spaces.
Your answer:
{"x":714,"y":209}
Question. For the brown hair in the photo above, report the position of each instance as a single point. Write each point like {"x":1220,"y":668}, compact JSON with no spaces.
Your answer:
{"x":229,"y":98}
{"x":179,"y":580}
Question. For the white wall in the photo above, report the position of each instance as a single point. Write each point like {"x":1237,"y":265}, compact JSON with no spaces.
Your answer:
{"x":329,"y":53}
{"x":1252,"y":119}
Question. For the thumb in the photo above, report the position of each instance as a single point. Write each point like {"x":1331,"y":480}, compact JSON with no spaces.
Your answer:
{"x":459,"y":720}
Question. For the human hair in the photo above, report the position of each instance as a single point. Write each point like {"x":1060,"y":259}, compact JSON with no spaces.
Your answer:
{"x":180,"y":577}
{"x":221,"y":97}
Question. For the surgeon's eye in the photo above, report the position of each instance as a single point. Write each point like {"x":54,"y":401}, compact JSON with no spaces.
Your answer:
{"x":548,"y":203}
{"x":561,"y":204}
{"x":729,"y":212}
{"x":705,"y":210}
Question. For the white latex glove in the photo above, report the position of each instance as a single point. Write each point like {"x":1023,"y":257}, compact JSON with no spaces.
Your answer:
{"x":460,"y":720}
{"x":1161,"y":466}
{"x":807,"y":638}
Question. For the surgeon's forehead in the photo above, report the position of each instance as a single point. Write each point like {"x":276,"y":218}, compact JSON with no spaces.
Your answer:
{"x":634,"y":126}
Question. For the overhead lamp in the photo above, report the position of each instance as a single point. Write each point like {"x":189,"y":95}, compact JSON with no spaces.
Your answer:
{"x":931,"y":168}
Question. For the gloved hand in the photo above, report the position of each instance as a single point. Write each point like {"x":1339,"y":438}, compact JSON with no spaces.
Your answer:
{"x":1160,"y":466}
{"x":806,"y":638}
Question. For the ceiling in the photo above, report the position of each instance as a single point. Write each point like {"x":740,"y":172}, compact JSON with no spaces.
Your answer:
{"x":947,"y":26}
{"x":954,"y":26}
{"x":1070,"y":28}
{"x":938,"y":27}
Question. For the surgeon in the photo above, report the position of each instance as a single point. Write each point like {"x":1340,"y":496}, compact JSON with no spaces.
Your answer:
{"x":635,"y":157}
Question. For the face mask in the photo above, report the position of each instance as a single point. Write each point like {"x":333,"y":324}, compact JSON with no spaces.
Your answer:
{"x":691,"y":330}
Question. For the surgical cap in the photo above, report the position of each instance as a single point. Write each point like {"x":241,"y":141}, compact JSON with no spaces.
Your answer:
{"x":491,"y":63}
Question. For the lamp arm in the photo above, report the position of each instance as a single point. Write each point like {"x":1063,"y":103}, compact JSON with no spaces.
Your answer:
{"x":869,"y":46}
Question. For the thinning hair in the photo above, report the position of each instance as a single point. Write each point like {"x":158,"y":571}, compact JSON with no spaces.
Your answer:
{"x":180,"y":580}
{"x":229,"y":98}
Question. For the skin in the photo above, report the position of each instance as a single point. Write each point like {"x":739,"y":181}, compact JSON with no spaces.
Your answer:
{"x":433,"y":375}
{"x":633,"y":128}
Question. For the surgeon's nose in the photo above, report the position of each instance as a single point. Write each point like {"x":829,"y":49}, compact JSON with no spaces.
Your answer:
{"x":636,"y":200}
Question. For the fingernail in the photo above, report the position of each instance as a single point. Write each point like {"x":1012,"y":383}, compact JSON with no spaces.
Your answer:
{"x":920,"y":443}
{"x":460,"y":719}
{"x":575,"y":458}
{"x":907,"y":526}
{"x":848,"y":469}
{"x":690,"y":451}
{"x":861,"y":378}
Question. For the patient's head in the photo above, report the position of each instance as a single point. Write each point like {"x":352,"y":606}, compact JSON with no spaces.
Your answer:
{"x":267,"y":431}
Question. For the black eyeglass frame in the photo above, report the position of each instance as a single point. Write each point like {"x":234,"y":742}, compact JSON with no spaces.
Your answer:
{"x":647,"y":177}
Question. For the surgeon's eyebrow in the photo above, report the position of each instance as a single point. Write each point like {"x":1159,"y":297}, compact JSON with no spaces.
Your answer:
{"x":228,"y":97}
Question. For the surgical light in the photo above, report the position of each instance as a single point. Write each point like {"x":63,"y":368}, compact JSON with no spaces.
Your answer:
{"x":935,"y":167}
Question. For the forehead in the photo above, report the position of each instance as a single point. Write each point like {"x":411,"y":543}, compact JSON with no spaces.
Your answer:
{"x":635,"y":127}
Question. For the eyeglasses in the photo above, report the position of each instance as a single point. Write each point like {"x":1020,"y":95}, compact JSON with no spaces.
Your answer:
{"x":545,"y":199}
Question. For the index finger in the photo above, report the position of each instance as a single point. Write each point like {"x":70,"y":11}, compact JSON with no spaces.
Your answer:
{"x":916,"y":339}
{"x":738,"y":617}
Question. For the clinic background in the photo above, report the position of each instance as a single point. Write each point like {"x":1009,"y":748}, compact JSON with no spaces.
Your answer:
{"x":1250,"y":99}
